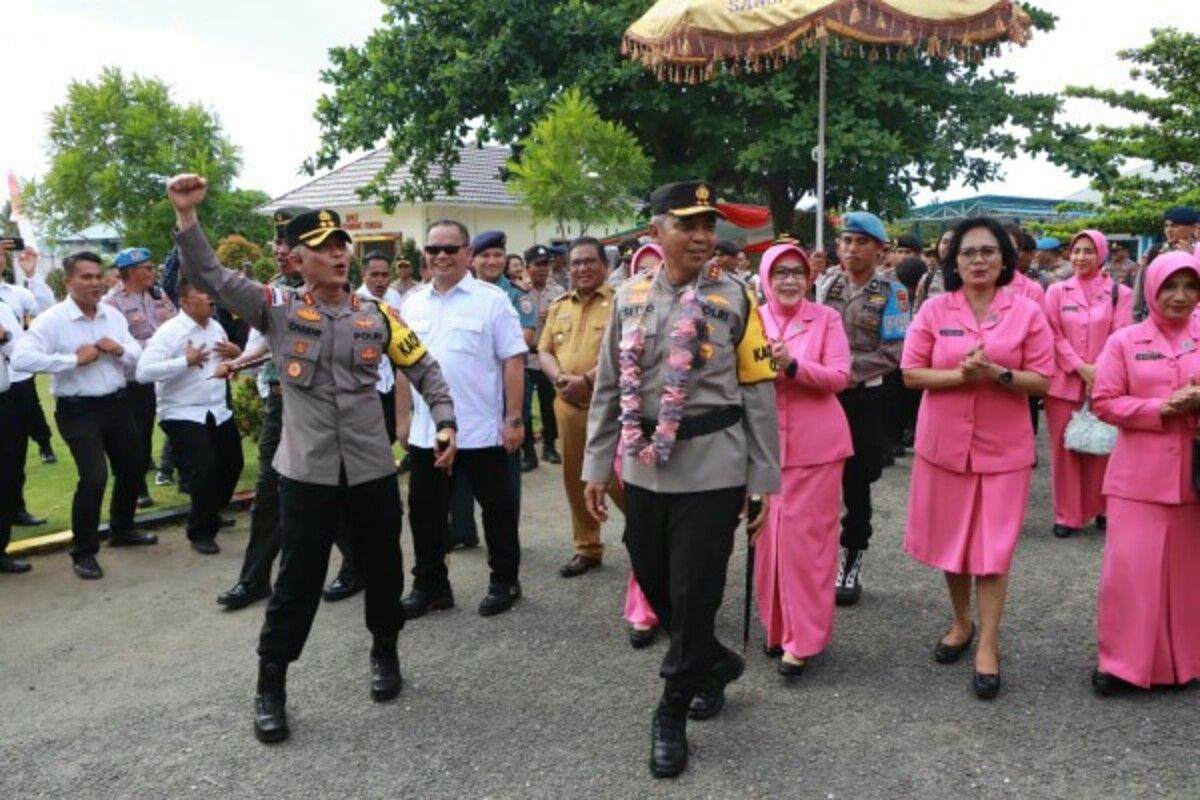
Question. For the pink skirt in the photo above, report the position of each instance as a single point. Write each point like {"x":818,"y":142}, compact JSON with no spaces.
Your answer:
{"x":796,"y":560}
{"x":1148,"y":613}
{"x":1076,"y":479}
{"x":965,"y":522}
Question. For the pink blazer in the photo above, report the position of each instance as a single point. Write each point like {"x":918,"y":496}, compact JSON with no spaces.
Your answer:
{"x":982,"y":427}
{"x":1081,"y":326}
{"x":812,"y":425}
{"x":1138,"y":370}
{"x":1025,"y":287}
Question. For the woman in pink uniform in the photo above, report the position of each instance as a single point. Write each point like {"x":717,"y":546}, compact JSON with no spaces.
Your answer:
{"x":797,"y":551}
{"x":1147,"y":385}
{"x":1083,"y":311}
{"x":978,"y":352}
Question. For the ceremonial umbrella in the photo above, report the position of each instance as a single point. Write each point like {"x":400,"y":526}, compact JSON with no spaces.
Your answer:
{"x":687,"y":41}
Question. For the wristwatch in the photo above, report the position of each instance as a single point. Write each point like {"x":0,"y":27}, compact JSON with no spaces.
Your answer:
{"x":1006,"y":377}
{"x":515,"y":422}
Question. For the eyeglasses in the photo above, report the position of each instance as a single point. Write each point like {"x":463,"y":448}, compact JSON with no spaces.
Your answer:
{"x":584,"y":262}
{"x":448,"y":249}
{"x":971,"y":253}
{"x":795,"y":273}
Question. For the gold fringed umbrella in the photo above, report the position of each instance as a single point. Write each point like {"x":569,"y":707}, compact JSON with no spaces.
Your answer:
{"x":687,"y":41}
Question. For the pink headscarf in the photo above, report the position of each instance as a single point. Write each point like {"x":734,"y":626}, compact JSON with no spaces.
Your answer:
{"x":641,"y":251}
{"x":1157,"y":273}
{"x":1100,"y":242}
{"x":775,"y":315}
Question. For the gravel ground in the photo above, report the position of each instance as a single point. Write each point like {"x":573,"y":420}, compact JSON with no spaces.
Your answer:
{"x":140,"y":686}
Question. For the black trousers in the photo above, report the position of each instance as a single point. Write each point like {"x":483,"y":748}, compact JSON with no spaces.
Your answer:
{"x":429,"y":505}
{"x":145,"y":406}
{"x":24,"y":409}
{"x":538,"y":385}
{"x":462,"y":504}
{"x":1035,"y":405}
{"x":388,"y":399}
{"x":14,"y":441}
{"x":39,"y":431}
{"x":211,"y":455}
{"x":308,"y":516}
{"x":679,"y":545}
{"x":96,"y":428}
{"x":865,"y":410}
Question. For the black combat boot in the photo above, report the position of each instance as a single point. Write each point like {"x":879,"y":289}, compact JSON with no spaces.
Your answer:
{"x":668,"y":734}
{"x":386,"y":681}
{"x":270,"y":712}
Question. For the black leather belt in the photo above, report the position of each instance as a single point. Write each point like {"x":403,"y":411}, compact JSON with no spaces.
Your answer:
{"x":76,"y":402}
{"x":700,"y":425}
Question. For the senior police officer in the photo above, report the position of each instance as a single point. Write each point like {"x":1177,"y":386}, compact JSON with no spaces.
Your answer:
{"x":333,"y":455}
{"x":568,"y":353}
{"x":875,"y":313}
{"x":542,"y":292}
{"x":145,"y":307}
{"x":686,"y":387}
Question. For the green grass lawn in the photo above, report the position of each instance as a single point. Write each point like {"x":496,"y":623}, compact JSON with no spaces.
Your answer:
{"x":49,"y":487}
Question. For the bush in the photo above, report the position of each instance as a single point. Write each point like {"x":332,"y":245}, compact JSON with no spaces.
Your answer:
{"x":247,"y":406}
{"x":234,"y":250}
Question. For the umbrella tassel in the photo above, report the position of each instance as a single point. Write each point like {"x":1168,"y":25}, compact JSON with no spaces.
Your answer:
{"x":855,"y":16}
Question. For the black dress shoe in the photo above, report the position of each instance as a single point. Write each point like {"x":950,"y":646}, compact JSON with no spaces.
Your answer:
{"x":47,"y":456}
{"x":772,"y":652}
{"x":986,"y":687}
{"x":226,"y":522}
{"x":529,"y":461}
{"x":639,"y":638}
{"x":145,"y":501}
{"x":386,"y":681}
{"x":341,"y":587}
{"x":27,"y":520}
{"x":551,"y":456}
{"x":88,"y":568}
{"x":270,"y":704}
{"x":578,"y":565}
{"x":469,"y":544}
{"x":499,"y":598}
{"x":242,"y":595}
{"x":709,"y":701}
{"x":849,"y":582}
{"x":668,"y":745}
{"x":950,"y":653}
{"x":1106,"y":684}
{"x":417,"y":603}
{"x":1063,"y":531}
{"x":1102,"y":523}
{"x":134,"y":538}
{"x":790,"y":669}
{"x":207,"y":547}
{"x":14,"y":566}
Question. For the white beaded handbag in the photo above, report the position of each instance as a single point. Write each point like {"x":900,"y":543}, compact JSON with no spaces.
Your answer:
{"x":1088,"y":434}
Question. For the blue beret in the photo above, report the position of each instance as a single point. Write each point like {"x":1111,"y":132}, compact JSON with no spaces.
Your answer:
{"x":1181,"y":215}
{"x":557,"y":250}
{"x":1048,"y":243}
{"x":863,"y":222}
{"x":486,"y":240}
{"x":131,"y":257}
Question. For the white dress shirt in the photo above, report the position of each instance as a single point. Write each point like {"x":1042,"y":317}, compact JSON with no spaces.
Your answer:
{"x":12,"y":325}
{"x":51,"y":341}
{"x":185,"y":393}
{"x":41,"y":291}
{"x":387,"y":372}
{"x":25,"y":306}
{"x":470,"y":330}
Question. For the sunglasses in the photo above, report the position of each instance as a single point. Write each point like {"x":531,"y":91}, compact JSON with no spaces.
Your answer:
{"x":448,"y":249}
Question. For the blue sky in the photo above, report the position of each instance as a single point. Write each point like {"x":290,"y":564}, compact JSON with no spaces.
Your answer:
{"x":257,"y":63}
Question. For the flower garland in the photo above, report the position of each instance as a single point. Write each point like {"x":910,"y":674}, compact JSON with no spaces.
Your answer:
{"x":686,"y":334}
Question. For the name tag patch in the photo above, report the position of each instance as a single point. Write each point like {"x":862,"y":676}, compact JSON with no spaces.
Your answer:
{"x":1150,"y":356}
{"x":952,"y":332}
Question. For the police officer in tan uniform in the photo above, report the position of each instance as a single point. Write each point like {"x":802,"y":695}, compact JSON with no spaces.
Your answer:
{"x":334,"y":455}
{"x":875,"y":313}
{"x":686,"y":387}
{"x":145,"y":307}
{"x":568,"y":353}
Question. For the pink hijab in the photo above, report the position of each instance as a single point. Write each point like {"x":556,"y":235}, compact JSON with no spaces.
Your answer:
{"x":642,"y":251}
{"x":1100,"y":242}
{"x":775,"y":316}
{"x":1157,"y":273}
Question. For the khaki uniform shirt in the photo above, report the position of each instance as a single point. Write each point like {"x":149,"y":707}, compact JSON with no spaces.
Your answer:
{"x":575,"y":328}
{"x":328,"y":359}
{"x":734,"y":369}
{"x":142,"y":311}
{"x":875,"y":316}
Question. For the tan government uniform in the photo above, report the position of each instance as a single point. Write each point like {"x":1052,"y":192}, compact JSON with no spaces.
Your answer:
{"x":573,"y":333}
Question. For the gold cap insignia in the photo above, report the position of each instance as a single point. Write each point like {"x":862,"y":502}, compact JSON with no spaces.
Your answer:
{"x":294,"y":369}
{"x":324,"y":219}
{"x":702,"y":194}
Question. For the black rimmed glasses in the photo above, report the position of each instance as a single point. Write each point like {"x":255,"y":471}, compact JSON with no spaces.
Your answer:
{"x":448,"y":249}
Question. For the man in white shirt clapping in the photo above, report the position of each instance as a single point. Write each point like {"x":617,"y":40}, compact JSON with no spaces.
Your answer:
{"x":187,"y":359}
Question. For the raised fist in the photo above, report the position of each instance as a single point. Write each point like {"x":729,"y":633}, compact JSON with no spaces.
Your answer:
{"x":187,"y":191}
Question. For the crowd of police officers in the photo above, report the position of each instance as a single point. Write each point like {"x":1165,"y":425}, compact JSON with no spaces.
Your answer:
{"x":600,"y":363}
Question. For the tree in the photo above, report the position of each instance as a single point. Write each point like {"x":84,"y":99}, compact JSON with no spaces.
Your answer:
{"x":112,"y":146}
{"x":235,"y":250}
{"x":576,"y":167}
{"x":1166,"y":137}
{"x":437,"y":73}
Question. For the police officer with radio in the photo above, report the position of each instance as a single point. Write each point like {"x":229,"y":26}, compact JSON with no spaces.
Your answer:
{"x":875,"y":313}
{"x":334,"y":456}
